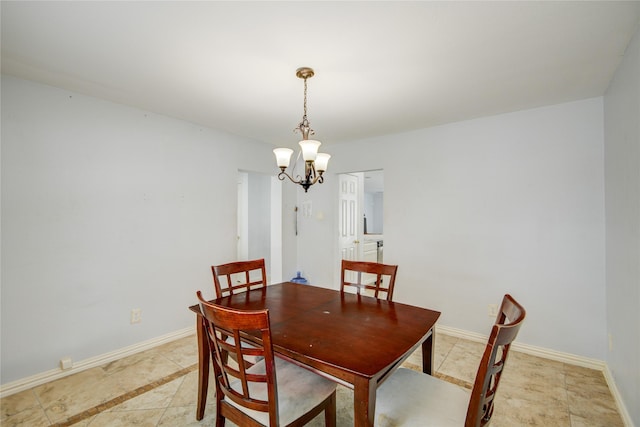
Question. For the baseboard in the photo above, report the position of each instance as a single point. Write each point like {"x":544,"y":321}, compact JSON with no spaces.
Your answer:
{"x":545,"y":353}
{"x":626,"y":417}
{"x":54,"y":374}
{"x":558,"y":356}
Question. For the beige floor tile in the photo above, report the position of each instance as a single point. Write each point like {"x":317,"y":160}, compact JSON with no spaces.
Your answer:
{"x":140,"y":369}
{"x":583,"y":395}
{"x":32,"y":417}
{"x":548,"y":368}
{"x":68,"y":396}
{"x":590,"y":400}
{"x":85,"y":423}
{"x":612,"y":420}
{"x":534,"y":379}
{"x":582,"y":372}
{"x":591,"y":405}
{"x":535,"y":361}
{"x":443,"y":345}
{"x":185,"y":416}
{"x":513,"y":411}
{"x":142,"y":418}
{"x":157,"y":398}
{"x":187,"y":393}
{"x":18,"y":402}
{"x":579,"y":378}
{"x":554,"y":398}
{"x":183,"y":351}
{"x":462,"y":361}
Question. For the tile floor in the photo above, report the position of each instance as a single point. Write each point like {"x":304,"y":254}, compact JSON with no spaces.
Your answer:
{"x":158,"y":388}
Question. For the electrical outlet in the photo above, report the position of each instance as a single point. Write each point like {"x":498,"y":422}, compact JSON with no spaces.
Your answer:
{"x":136,"y":315}
{"x":66,"y":363}
{"x":493,"y":310}
{"x":610,"y":342}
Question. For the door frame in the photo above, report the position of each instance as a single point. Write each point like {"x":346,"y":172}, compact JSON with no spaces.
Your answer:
{"x":360,"y":229}
{"x":274,"y":270}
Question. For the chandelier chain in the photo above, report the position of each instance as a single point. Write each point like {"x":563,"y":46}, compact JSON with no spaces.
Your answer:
{"x":305,"y":98}
{"x":305,"y":127}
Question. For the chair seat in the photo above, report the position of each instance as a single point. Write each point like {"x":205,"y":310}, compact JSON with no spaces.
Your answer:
{"x":409,"y":398}
{"x":299,"y":391}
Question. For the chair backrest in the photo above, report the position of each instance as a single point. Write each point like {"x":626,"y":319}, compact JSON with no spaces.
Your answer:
{"x":232,"y":379}
{"x":504,"y":331}
{"x":238,"y":276}
{"x":364,"y":272}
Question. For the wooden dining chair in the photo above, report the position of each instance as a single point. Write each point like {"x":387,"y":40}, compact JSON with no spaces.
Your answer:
{"x":369,"y":276}
{"x":239,"y":276}
{"x":236,"y":277}
{"x":410,"y":398}
{"x":272,"y":392}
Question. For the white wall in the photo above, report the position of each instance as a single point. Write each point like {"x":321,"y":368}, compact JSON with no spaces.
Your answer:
{"x":259,"y":217}
{"x":373,"y":209}
{"x":289,"y":237}
{"x":622,"y":188}
{"x":506,"y":204}
{"x":315,"y":240}
{"x":106,"y":208}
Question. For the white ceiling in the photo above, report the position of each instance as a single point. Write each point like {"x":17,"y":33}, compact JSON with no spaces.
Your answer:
{"x":381,"y":67}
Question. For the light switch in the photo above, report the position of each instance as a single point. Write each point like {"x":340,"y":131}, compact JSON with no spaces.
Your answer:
{"x":307,"y":209}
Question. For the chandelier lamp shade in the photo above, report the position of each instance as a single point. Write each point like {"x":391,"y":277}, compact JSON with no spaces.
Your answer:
{"x":315,"y":164}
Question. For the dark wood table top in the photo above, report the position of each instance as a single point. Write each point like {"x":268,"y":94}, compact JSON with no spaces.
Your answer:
{"x":341,"y":334}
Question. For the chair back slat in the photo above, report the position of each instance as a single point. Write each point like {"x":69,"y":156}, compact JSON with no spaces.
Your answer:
{"x":381,"y":286}
{"x":504,"y":331}
{"x":239,"y":276}
{"x":232,"y":378}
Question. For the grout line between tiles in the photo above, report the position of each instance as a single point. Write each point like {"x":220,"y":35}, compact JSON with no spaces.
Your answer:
{"x":447,"y":355}
{"x":124,"y":397}
{"x":37,"y":398}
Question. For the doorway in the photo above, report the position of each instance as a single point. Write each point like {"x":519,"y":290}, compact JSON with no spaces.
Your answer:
{"x":361,"y":215}
{"x":259,"y":221}
{"x":373,"y":208}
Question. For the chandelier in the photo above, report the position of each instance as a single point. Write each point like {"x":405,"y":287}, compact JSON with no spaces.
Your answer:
{"x":315,"y":164}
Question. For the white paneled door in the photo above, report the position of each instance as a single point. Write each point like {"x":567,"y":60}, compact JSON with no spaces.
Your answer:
{"x":348,"y":217}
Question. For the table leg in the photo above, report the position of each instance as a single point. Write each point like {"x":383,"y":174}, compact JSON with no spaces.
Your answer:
{"x":203,"y":366}
{"x":427,"y":354}
{"x":364,"y":402}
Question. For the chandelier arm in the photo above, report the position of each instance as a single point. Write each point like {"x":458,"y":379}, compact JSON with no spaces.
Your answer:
{"x":283,"y":174}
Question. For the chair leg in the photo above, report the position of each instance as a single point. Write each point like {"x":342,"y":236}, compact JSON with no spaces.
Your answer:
{"x":220,"y":419}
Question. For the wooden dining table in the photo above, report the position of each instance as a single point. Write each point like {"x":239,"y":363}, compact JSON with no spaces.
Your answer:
{"x":355,"y":340}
